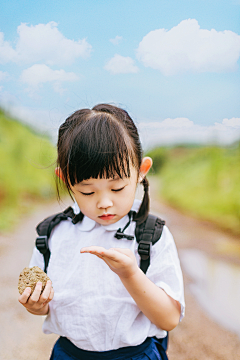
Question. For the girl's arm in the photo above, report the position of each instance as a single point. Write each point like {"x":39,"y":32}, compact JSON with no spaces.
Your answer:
{"x":37,"y":303}
{"x":160,"y":308}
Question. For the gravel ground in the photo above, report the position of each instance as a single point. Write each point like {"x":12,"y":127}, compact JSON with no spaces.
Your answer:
{"x":196,"y":338}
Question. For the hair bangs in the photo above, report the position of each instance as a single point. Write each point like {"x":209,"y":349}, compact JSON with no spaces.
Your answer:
{"x":100,"y":150}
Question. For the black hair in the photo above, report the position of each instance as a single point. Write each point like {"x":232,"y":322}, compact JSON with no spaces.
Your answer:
{"x":100,"y":143}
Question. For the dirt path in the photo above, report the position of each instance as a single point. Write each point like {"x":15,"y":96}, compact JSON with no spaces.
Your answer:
{"x":21,"y":338}
{"x":198,"y":337}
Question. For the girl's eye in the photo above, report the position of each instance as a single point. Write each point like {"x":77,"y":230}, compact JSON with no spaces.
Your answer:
{"x":87,"y":194}
{"x":115,"y":190}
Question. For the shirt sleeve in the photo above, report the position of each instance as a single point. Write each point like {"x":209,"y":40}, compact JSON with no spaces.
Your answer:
{"x":165,"y":270}
{"x":37,"y":259}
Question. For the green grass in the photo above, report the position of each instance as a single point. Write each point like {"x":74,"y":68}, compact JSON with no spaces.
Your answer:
{"x":26,"y":169}
{"x":203,"y":181}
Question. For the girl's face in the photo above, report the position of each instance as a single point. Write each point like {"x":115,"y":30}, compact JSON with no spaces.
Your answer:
{"x":106,"y":200}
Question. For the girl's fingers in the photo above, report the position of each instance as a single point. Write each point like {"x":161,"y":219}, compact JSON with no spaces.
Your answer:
{"x":46,"y":293}
{"x":36,"y":294}
{"x":50,"y":297}
{"x":115,"y":255}
{"x":101,"y":252}
{"x":25,"y":295}
{"x":51,"y":294}
{"x":95,"y":250}
{"x":121,"y":261}
{"x":124,"y":251}
{"x":91,"y":249}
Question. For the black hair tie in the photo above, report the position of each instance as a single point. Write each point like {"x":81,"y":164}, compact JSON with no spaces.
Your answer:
{"x":145,"y":184}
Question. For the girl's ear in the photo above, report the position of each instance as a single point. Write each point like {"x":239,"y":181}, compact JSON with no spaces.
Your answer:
{"x":145,"y":167}
{"x":59,"y":173}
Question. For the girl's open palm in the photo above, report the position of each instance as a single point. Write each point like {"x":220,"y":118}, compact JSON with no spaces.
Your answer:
{"x":120,"y":261}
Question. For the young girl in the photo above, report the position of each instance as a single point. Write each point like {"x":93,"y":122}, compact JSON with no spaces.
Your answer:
{"x":103,"y":306}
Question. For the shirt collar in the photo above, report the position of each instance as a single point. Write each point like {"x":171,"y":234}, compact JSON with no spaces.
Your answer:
{"x":88,"y":224}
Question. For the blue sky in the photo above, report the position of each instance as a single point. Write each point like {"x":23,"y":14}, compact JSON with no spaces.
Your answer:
{"x":174,"y":65}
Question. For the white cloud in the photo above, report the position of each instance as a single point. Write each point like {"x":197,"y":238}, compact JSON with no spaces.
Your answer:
{"x":233,"y":122}
{"x":116,"y":40}
{"x":182,"y":130}
{"x":121,"y":65}
{"x":171,"y":123}
{"x":41,"y":73}
{"x":187,"y":48}
{"x":6,"y":51}
{"x":43,"y":43}
{"x":3,"y":75}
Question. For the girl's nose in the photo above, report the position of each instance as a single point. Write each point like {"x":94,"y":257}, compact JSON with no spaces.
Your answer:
{"x":104,"y":203}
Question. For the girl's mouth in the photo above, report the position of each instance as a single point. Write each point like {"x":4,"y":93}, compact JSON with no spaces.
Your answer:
{"x":107,"y":217}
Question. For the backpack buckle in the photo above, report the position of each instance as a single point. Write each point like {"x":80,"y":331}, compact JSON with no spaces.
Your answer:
{"x":42,"y":244}
{"x":144,"y":249}
{"x":121,"y":235}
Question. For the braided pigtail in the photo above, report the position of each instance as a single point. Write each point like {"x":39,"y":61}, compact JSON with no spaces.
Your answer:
{"x":143,"y":211}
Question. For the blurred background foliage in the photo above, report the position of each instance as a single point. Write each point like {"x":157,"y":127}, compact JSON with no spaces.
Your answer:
{"x":201,"y":180}
{"x":26,"y":169}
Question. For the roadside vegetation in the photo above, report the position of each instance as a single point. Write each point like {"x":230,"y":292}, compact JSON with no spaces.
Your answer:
{"x":201,"y":180}
{"x":26,"y":169}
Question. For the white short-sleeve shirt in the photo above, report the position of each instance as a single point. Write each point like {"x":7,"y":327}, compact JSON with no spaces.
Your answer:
{"x":91,"y":306}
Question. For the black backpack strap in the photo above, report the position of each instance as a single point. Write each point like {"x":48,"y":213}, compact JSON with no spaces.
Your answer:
{"x":45,"y":228}
{"x":147,"y":234}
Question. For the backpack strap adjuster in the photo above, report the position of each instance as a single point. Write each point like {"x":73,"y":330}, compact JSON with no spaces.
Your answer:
{"x":42,"y":244}
{"x":144,"y":249}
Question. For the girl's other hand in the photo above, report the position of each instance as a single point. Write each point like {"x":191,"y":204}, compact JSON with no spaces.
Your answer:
{"x":37,"y":303}
{"x":120,"y":261}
